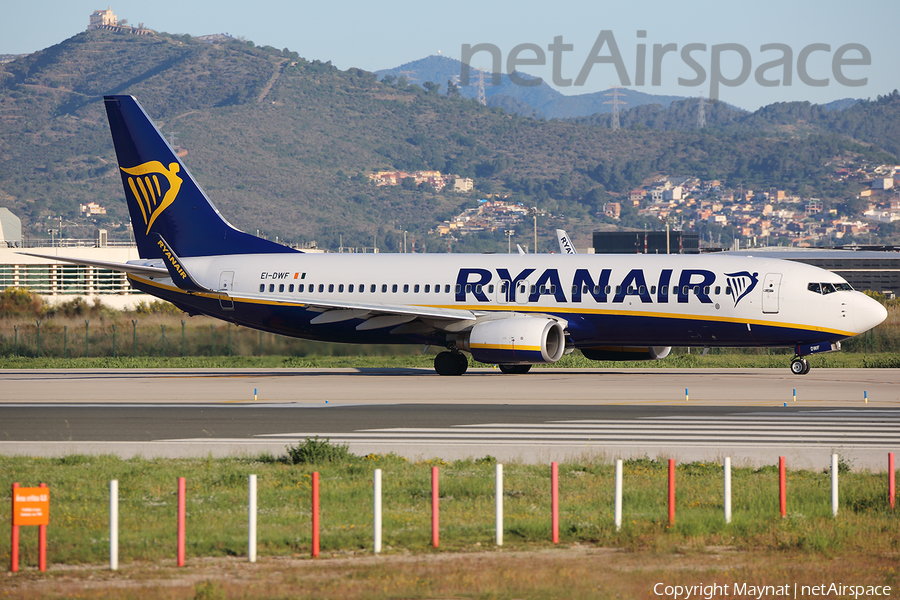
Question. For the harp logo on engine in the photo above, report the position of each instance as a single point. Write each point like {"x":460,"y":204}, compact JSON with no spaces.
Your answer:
{"x":154,"y":188}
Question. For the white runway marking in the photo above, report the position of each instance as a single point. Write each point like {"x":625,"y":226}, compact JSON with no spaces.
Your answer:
{"x":862,"y":430}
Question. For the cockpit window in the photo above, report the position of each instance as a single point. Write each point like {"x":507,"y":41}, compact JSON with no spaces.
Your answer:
{"x":829,"y":288}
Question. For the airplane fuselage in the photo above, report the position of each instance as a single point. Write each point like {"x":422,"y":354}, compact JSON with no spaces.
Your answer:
{"x":655,"y":300}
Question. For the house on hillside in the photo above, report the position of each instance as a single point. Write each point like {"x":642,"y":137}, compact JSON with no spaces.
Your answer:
{"x":103,"y":18}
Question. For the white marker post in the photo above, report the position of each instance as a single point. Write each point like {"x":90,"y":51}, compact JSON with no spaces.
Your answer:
{"x":498,"y":487}
{"x":618,"y":494}
{"x":114,"y":525}
{"x":251,"y":542}
{"x":834,"y":485}
{"x":377,"y":511}
{"x":727,"y":490}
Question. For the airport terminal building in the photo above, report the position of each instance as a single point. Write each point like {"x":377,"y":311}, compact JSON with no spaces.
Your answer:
{"x":59,"y":282}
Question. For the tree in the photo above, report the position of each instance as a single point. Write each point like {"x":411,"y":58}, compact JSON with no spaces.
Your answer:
{"x":432,"y":88}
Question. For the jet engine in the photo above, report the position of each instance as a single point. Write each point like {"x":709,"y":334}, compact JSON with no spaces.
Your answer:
{"x":517,"y":340}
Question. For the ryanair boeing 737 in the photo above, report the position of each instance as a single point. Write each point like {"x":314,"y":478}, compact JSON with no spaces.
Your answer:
{"x":513,"y":310}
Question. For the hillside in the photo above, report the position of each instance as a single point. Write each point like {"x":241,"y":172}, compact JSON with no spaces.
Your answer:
{"x":539,"y":100}
{"x":282,"y":144}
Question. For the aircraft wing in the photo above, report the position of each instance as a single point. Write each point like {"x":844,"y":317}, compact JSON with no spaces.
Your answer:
{"x":334,"y":311}
{"x":147,"y":268}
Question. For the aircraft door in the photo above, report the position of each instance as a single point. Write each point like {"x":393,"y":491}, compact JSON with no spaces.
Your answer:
{"x":226,"y":287}
{"x":503,"y":292}
{"x":522,"y":291}
{"x":771,"y":291}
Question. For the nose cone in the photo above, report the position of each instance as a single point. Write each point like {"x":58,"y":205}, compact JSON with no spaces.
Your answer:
{"x":866,"y":313}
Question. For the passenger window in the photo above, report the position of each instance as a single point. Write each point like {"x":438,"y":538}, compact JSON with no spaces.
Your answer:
{"x":491,"y":289}
{"x":718,"y":290}
{"x":291,"y":288}
{"x":596,"y":290}
{"x":447,"y":288}
{"x":405,"y":288}
{"x":427,"y":287}
{"x":281,"y":288}
{"x":299,"y":287}
{"x":383,"y":288}
{"x":416,"y":289}
{"x":641,"y":290}
{"x":372,"y":288}
{"x":478,"y":289}
{"x":341,"y":287}
{"x":362,"y":288}
{"x":684,"y":291}
{"x":321,"y":287}
{"x":458,"y":288}
{"x":814,"y":287}
{"x":271,"y":287}
{"x":706,"y":290}
{"x":350,"y":288}
{"x":696,"y":290}
{"x":652,"y":289}
{"x":618,"y":289}
{"x":503,"y":287}
{"x":607,"y":290}
{"x":552,"y":289}
{"x":532,"y":289}
{"x":330,"y":288}
{"x":630,"y":290}
{"x":727,"y":290}
{"x":262,"y":287}
{"x":394,"y":288}
{"x":664,"y":290}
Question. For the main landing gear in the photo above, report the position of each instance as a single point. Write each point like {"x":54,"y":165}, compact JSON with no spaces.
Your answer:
{"x":451,"y":363}
{"x":799,"y":366}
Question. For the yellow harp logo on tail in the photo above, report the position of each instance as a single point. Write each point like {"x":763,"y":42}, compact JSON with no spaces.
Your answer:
{"x":152,"y":197}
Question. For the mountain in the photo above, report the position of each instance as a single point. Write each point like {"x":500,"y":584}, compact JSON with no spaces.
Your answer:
{"x":542,"y":99}
{"x":283,"y":145}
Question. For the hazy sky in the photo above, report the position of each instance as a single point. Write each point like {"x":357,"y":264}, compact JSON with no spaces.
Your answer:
{"x":379,"y":35}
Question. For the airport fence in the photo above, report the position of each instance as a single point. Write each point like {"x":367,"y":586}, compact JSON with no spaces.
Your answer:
{"x":157,"y":337}
{"x":623,"y":502}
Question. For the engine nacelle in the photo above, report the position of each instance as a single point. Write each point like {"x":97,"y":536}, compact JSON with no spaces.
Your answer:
{"x":626,"y":352}
{"x":515,"y":341}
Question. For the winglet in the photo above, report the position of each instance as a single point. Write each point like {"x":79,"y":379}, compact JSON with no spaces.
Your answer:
{"x":177,"y":271}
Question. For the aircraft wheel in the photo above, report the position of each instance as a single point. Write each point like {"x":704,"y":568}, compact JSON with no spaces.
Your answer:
{"x":514,"y":369}
{"x":462,"y":363}
{"x":445,"y":363}
{"x":799,"y":366}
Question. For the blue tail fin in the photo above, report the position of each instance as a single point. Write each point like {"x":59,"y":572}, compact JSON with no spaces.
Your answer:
{"x":163,"y":198}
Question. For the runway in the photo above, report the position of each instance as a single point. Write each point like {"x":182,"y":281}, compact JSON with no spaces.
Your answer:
{"x":544,"y":416}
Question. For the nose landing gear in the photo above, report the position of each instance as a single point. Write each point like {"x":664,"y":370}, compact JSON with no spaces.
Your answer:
{"x":799,"y":366}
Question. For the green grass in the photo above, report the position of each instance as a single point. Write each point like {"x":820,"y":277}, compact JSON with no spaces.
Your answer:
{"x":217,"y":507}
